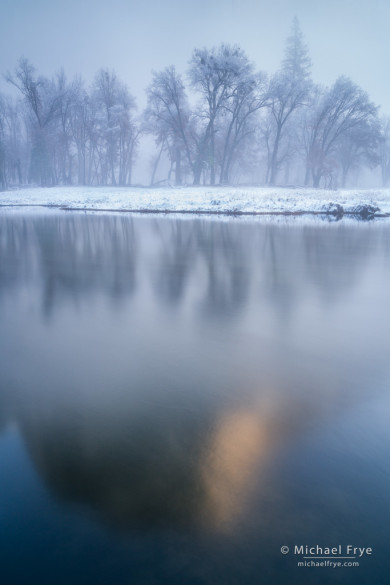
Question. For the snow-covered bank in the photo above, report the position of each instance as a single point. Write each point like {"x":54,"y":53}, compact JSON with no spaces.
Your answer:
{"x":244,"y":200}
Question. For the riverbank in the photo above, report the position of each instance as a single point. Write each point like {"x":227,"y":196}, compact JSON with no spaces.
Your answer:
{"x":362,"y":203}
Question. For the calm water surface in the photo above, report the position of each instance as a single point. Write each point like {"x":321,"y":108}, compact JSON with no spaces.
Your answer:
{"x":180,"y":398}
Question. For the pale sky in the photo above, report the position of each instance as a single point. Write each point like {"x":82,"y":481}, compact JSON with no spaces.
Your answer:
{"x":135,"y":37}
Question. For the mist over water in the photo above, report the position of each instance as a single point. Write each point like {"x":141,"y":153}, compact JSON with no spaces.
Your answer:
{"x":179,"y":398}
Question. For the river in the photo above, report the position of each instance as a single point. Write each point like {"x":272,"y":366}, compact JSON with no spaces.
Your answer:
{"x":180,"y":398}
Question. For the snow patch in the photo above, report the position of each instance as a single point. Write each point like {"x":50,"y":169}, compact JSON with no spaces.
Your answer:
{"x":362,"y":204}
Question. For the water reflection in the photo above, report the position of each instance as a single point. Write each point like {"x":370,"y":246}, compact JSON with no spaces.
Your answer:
{"x":72,"y":256}
{"x":175,"y":260}
{"x":161,"y":370}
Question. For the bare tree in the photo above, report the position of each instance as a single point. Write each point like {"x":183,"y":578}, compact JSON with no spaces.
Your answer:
{"x":358,"y":148}
{"x":3,"y":148}
{"x":115,"y":135}
{"x":61,"y":135}
{"x":289,"y":90}
{"x":127,"y":134}
{"x":342,"y":111}
{"x":43,"y":100}
{"x":81,"y":127}
{"x":215,"y":74}
{"x":384,"y":150}
{"x":248,"y":97}
{"x":167,"y":117}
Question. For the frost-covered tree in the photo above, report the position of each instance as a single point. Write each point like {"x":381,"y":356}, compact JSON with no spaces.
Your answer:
{"x":288,"y":91}
{"x":82,"y":122}
{"x":105,"y":91}
{"x":167,"y":117}
{"x":384,"y":150}
{"x":60,"y":137}
{"x":42,"y":100}
{"x":128,"y":134}
{"x":115,"y":133}
{"x":249,"y":96}
{"x":215,"y":74}
{"x":12,"y":144}
{"x":358,"y":148}
{"x":341,"y":114}
{"x":3,"y":148}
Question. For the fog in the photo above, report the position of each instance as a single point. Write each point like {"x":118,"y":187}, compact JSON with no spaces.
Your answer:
{"x":344,"y":37}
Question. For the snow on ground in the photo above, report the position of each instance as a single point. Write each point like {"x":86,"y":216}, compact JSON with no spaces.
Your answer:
{"x":205,"y":199}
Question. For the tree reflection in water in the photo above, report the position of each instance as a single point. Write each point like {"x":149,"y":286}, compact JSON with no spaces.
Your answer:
{"x":156,"y":419}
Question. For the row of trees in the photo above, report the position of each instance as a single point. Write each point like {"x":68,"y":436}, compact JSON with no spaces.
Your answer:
{"x":60,"y":133}
{"x":237,"y":124}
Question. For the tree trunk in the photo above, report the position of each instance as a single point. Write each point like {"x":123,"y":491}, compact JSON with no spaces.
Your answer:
{"x":212,"y":159}
{"x":197,"y":172}
{"x":178,"y":176}
{"x":156,"y":165}
{"x":307,"y":176}
{"x":316,"y":179}
{"x":344,"y":176}
{"x":274,"y":158}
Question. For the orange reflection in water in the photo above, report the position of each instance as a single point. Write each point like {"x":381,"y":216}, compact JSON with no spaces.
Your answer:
{"x":237,"y":447}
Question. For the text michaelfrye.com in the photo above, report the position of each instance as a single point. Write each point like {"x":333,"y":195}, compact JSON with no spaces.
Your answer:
{"x":326,"y":556}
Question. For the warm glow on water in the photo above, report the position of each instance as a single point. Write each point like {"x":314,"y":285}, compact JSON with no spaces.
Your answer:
{"x":233,"y":458}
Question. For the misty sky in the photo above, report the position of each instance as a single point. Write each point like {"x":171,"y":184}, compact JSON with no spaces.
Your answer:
{"x":137,"y":36}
